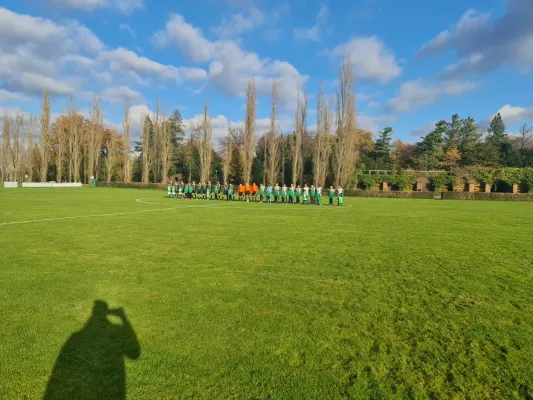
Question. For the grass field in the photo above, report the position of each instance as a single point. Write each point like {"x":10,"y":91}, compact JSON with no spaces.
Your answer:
{"x":382,"y":299}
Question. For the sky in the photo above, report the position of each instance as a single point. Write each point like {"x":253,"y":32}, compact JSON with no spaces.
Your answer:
{"x":415,"y":61}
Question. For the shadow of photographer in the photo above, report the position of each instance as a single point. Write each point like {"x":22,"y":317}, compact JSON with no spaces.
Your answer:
{"x":91,"y":364}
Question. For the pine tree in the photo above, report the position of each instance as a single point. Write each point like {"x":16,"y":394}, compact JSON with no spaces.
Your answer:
{"x":451,"y":137}
{"x":469,"y":137}
{"x":383,"y":147}
{"x":430,"y":149}
{"x":496,"y":132}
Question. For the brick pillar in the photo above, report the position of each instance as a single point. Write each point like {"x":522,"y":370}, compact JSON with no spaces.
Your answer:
{"x":487,"y":188}
{"x":471,"y":188}
{"x":385,"y":186}
{"x":515,"y":188}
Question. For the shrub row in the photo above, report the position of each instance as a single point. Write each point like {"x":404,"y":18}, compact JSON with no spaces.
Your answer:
{"x":134,"y":185}
{"x":390,"y":195}
{"x":487,"y":196}
{"x":403,"y":178}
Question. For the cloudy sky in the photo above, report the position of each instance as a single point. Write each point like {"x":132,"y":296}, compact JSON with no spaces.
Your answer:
{"x":416,"y":61}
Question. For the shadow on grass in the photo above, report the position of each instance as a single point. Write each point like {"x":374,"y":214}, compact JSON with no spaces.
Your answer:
{"x":91,"y":363}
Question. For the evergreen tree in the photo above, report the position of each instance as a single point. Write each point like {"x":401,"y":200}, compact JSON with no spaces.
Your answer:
{"x":383,"y":147}
{"x":451,"y":137}
{"x":496,"y":132}
{"x":469,"y":137}
{"x":430,"y":149}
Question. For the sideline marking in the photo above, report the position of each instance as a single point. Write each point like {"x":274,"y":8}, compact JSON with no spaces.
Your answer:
{"x":99,"y":215}
{"x":223,"y":204}
{"x":140,"y":201}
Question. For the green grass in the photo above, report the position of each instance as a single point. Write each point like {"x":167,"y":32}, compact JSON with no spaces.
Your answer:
{"x":388,"y":298}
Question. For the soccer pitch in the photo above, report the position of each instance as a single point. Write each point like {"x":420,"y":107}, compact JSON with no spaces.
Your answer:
{"x":381,"y":298}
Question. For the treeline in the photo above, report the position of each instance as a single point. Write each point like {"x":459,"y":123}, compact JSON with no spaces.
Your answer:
{"x":74,"y":148}
{"x":453,"y":144}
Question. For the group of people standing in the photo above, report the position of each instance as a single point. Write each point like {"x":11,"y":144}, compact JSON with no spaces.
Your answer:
{"x":263,"y":193}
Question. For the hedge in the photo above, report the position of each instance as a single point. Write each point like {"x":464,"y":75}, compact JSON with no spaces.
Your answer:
{"x":134,"y":185}
{"x":487,"y":196}
{"x":390,"y":195}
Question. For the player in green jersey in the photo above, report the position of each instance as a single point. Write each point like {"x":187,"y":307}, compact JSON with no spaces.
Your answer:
{"x":261,"y":193}
{"x":340,"y":194}
{"x":291,"y":194}
{"x":331,"y":195}
{"x":268,"y":195}
{"x":276,"y":193}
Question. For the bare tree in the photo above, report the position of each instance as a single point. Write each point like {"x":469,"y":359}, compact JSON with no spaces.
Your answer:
{"x":75,"y":143}
{"x":44,"y":143}
{"x":60,"y":138}
{"x":31,"y":147}
{"x":249,"y":129}
{"x":227,"y":155}
{"x":6,"y":148}
{"x":205,"y":132}
{"x":154,"y":155}
{"x":96,"y":131}
{"x":145,"y":138}
{"x":111,"y":146}
{"x":323,"y":138}
{"x":300,"y":127}
{"x":166,"y":147}
{"x":16,"y":154}
{"x":346,"y":152}
{"x":273,"y":148}
{"x":525,"y":138}
{"x":126,"y":128}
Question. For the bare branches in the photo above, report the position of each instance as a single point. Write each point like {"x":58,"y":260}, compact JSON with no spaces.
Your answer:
{"x":95,"y":132}
{"x":145,"y":138}
{"x":126,"y":154}
{"x":273,"y":153}
{"x":44,"y":145}
{"x":227,"y":155}
{"x":31,"y":147}
{"x":166,"y":147}
{"x":6,"y":148}
{"x":323,"y":139}
{"x":249,"y":129}
{"x":300,"y":127}
{"x":525,"y":137}
{"x":346,"y":146}
{"x":205,"y":132}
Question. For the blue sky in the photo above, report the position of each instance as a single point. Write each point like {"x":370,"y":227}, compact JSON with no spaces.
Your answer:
{"x":415,"y":61}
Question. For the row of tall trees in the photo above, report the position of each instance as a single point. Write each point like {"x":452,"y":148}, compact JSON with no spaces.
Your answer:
{"x":77,"y":148}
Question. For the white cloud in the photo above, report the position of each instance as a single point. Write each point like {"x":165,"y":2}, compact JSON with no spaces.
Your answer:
{"x":229,"y":64}
{"x":187,"y":38}
{"x":423,"y":130}
{"x":373,"y":124}
{"x":12,"y":97}
{"x":370,"y":57}
{"x":129,"y":29}
{"x":122,"y":59}
{"x":483,"y":42}
{"x":313,"y":33}
{"x":36,"y":84}
{"x":240,"y":23}
{"x":124,"y":6}
{"x":511,"y":114}
{"x":418,"y":93}
{"x":120,"y":93}
{"x":220,"y":125}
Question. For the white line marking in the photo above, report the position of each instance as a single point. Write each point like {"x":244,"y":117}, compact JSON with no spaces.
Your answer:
{"x":100,"y":215}
{"x":147,"y":211}
{"x":225,"y":204}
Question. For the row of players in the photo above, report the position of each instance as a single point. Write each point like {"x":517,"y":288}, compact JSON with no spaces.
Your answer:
{"x":264,"y":193}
